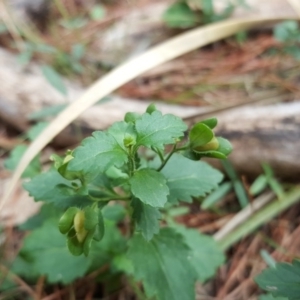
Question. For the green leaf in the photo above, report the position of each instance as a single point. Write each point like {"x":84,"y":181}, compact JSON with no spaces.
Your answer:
{"x":114,"y":212}
{"x":47,"y":112}
{"x":157,"y":130}
{"x":241,"y":193}
{"x":206,"y":256}
{"x":270,"y":297}
{"x":122,"y":130}
{"x":97,"y":154}
{"x":146,"y":218}
{"x":98,"y":12}
{"x":285,"y":31}
{"x":51,"y":187}
{"x":216,"y":195}
{"x":50,"y":256}
{"x":150,"y":187}
{"x":131,"y":117}
{"x":163,"y":266}
{"x":54,"y":79}
{"x":122,"y":264}
{"x":200,"y":135}
{"x":14,"y":158}
{"x":35,"y":130}
{"x":259,"y":184}
{"x":269,"y":260}
{"x":283,"y":280}
{"x":180,"y":15}
{"x":187,"y":178}
{"x":77,"y":51}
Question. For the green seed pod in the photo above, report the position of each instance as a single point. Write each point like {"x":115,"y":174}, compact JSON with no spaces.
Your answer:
{"x":213,"y":144}
{"x":66,"y":221}
{"x":80,"y":230}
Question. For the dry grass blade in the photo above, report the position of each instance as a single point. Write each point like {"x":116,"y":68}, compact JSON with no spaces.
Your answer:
{"x":164,"y":52}
{"x":296,"y":6}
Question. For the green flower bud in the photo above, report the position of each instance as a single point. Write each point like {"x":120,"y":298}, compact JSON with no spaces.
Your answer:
{"x":213,"y":144}
{"x":81,"y":232}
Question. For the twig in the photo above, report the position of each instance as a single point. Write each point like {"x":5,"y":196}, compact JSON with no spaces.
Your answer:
{"x":243,"y":215}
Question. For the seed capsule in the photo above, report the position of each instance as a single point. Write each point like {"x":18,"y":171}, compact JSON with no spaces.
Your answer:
{"x":81,"y":232}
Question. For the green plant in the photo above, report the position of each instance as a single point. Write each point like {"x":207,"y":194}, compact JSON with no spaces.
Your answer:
{"x":283,"y":280}
{"x":288,"y":33}
{"x":124,"y":177}
{"x":185,"y":14}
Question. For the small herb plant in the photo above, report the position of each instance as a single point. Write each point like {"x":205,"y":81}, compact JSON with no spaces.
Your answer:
{"x":130,"y":176}
{"x":187,"y":13}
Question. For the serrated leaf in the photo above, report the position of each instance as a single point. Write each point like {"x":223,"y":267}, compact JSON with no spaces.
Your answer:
{"x":187,"y":178}
{"x":35,"y":130}
{"x":206,"y":256}
{"x":146,"y":218}
{"x":283,"y":280}
{"x":163,"y":266}
{"x":150,"y":187}
{"x":51,"y":187}
{"x":200,"y":135}
{"x":50,"y":256}
{"x":121,"y":130}
{"x":14,"y":158}
{"x":97,"y":154}
{"x":157,"y":130}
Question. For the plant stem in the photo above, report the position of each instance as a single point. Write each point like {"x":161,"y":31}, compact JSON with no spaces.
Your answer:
{"x":260,"y":217}
{"x":167,"y":159}
{"x":140,"y":295}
